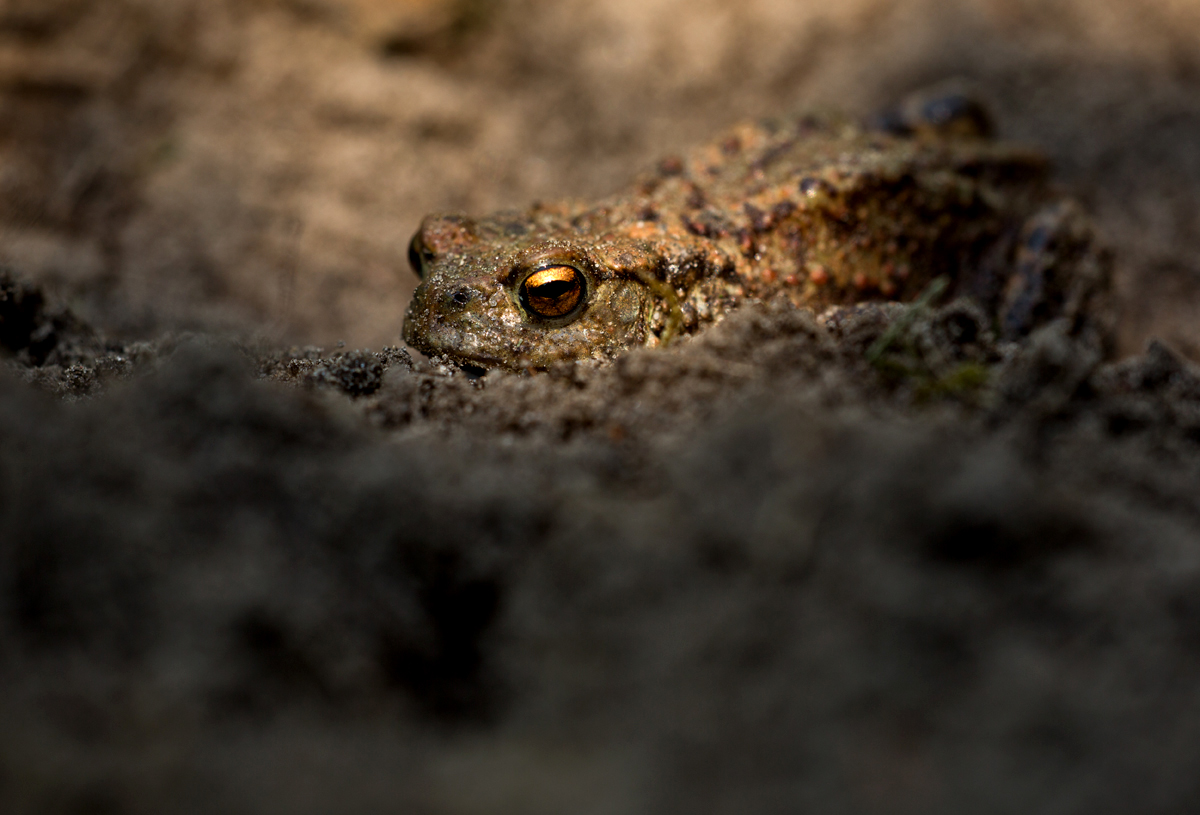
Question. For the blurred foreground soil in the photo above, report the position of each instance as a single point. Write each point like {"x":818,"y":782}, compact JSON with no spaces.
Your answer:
{"x":754,"y":572}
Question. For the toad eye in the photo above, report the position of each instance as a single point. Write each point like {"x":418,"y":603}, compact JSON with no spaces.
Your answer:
{"x":419,"y":255}
{"x":554,"y":291}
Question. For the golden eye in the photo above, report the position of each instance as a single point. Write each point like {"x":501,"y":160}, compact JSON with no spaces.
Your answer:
{"x":554,"y":291}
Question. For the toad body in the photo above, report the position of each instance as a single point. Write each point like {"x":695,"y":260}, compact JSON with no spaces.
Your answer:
{"x":822,"y":211}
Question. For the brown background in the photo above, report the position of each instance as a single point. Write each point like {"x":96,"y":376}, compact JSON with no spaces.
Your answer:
{"x":261,"y":164}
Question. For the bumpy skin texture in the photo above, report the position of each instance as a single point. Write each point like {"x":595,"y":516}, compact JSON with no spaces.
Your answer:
{"x":815,"y":209}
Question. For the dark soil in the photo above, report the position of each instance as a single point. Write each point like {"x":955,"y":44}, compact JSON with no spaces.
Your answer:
{"x":769,"y":569}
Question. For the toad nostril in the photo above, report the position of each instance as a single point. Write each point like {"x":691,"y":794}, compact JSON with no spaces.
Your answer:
{"x":461,"y":296}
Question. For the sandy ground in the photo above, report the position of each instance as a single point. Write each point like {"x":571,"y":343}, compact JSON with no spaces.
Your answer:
{"x":261,"y":165}
{"x":751,"y":573}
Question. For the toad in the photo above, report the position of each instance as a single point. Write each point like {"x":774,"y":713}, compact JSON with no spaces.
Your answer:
{"x":818,"y":209}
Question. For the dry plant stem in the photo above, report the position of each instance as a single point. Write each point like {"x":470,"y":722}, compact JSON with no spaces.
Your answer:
{"x":902,"y":323}
{"x":663,"y":289}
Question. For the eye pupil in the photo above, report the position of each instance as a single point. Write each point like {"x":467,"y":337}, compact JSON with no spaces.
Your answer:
{"x":555,"y":291}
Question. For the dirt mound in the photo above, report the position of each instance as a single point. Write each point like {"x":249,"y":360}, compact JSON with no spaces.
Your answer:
{"x":762,"y":567}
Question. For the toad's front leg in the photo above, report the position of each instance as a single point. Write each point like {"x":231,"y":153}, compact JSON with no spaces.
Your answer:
{"x":1057,"y":272}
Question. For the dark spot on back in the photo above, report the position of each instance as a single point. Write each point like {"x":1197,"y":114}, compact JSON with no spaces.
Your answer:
{"x":783,"y":209}
{"x":669,"y":166}
{"x":772,"y":154}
